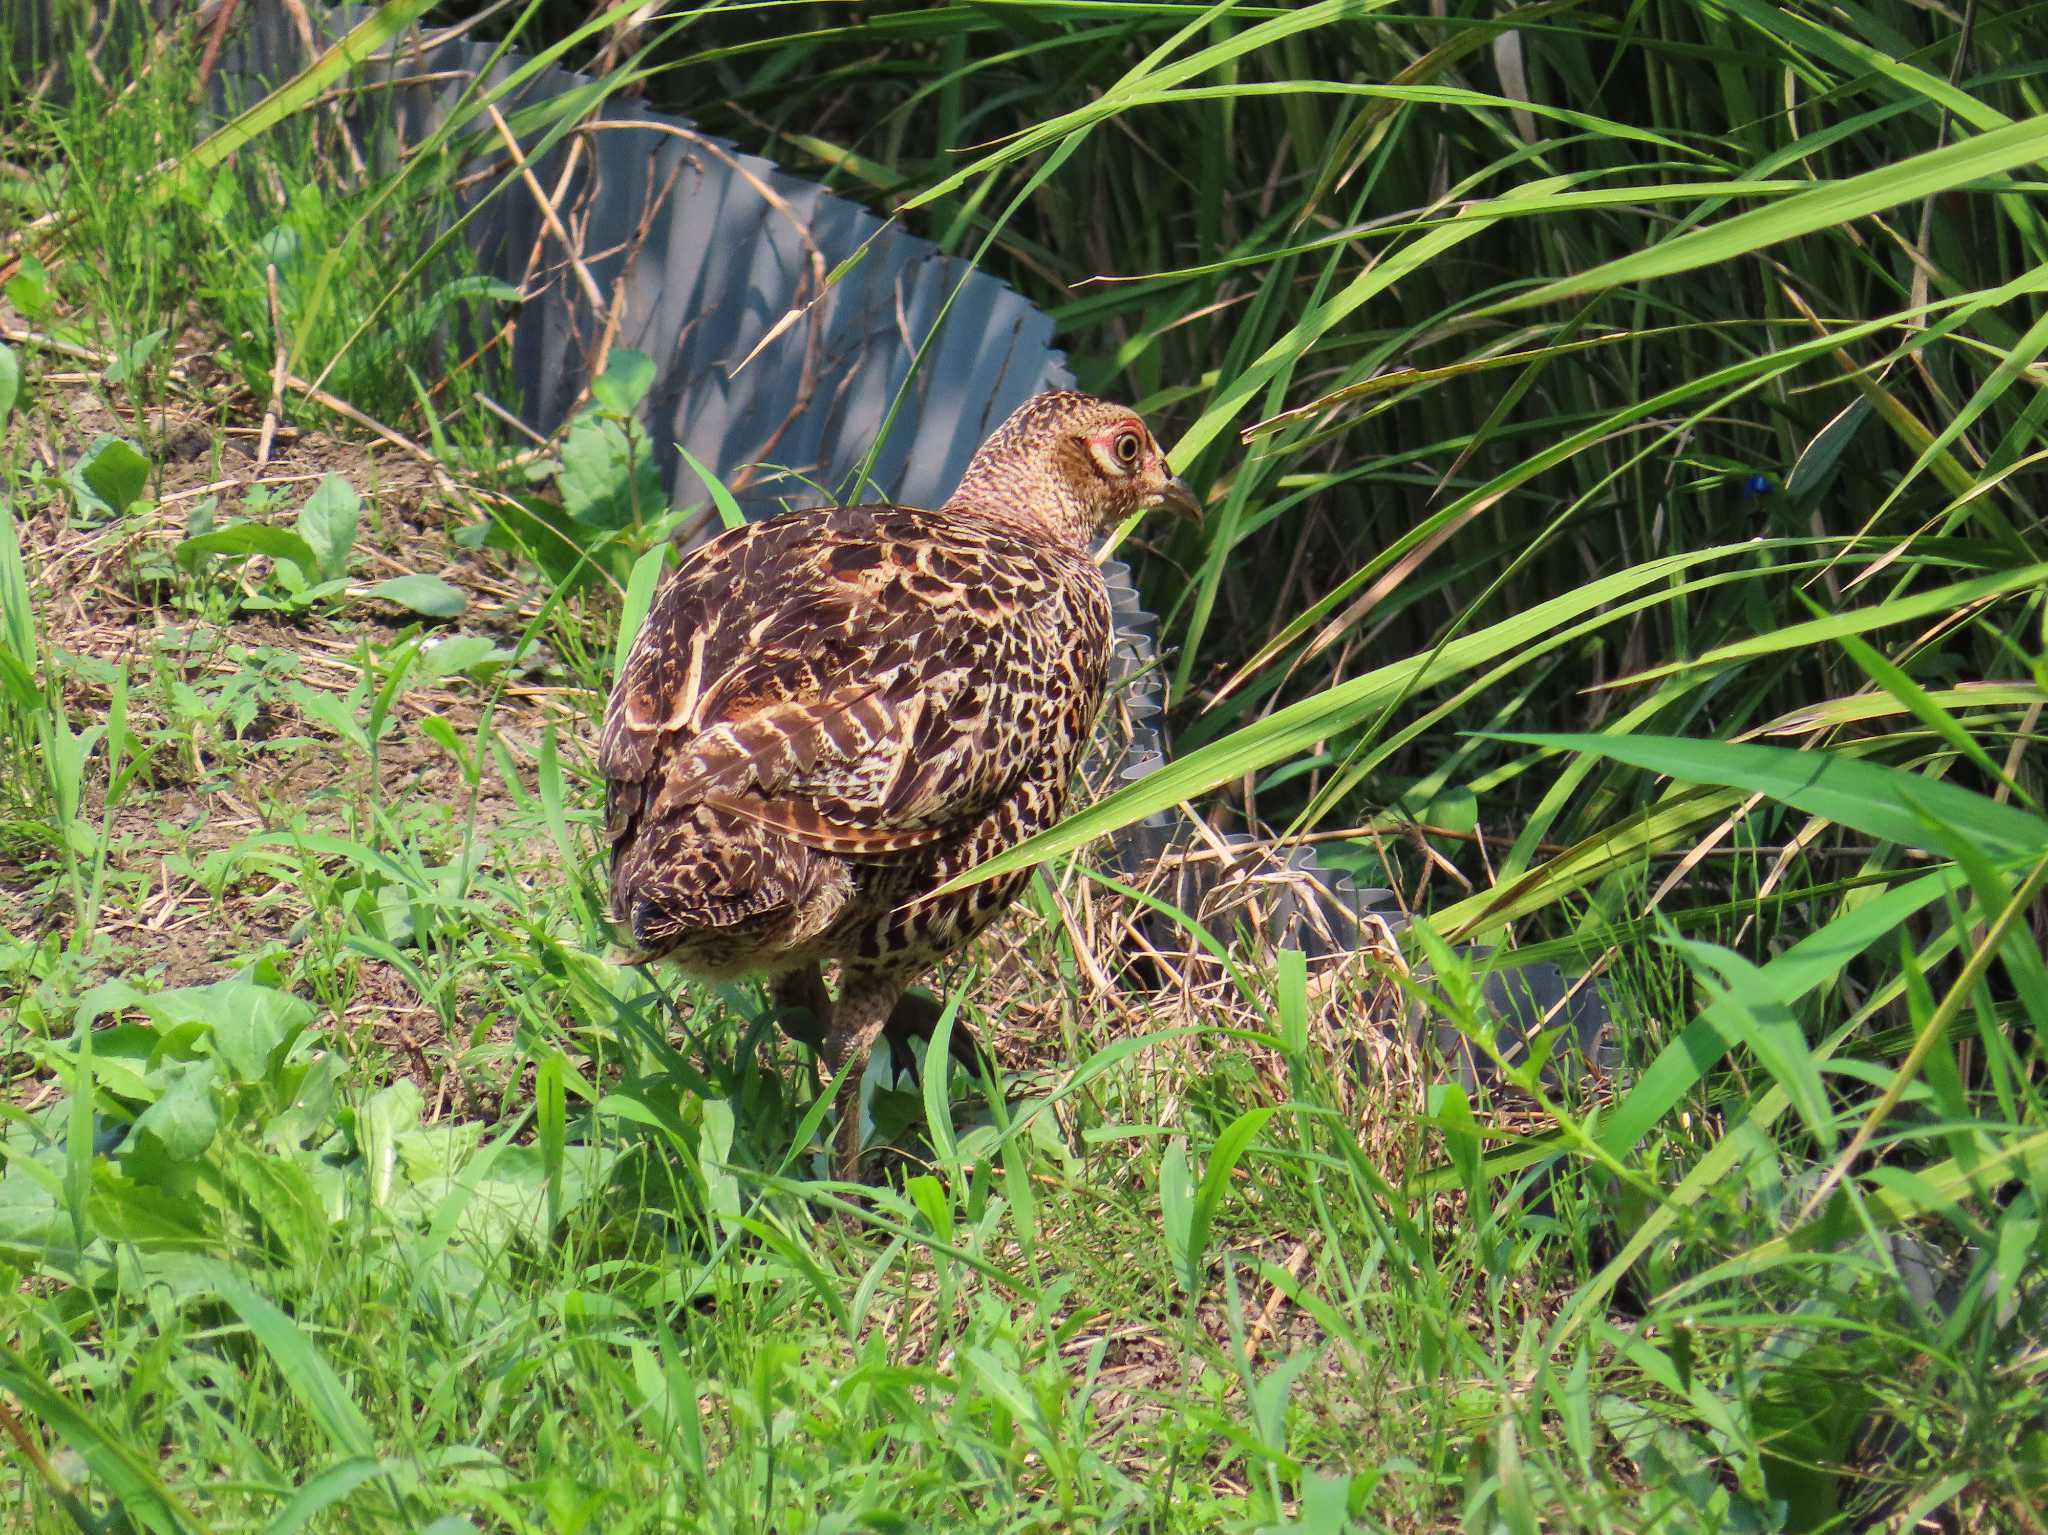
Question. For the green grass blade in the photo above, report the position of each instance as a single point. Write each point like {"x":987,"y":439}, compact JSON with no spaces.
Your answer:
{"x":301,"y":1366}
{"x":342,"y":59}
{"x":1882,"y":802}
{"x":129,"y":1479}
{"x":1923,"y":175}
{"x":1298,"y":727}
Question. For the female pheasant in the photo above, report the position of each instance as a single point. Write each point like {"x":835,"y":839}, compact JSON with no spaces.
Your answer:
{"x":831,"y":713}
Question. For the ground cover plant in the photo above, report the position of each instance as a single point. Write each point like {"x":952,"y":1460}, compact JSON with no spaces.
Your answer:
{"x":1622,"y":431}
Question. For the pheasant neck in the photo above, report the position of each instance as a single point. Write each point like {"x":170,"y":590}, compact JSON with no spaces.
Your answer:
{"x":1042,"y":512}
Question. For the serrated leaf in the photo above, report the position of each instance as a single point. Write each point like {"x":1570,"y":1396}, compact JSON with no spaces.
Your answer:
{"x":627,"y":377}
{"x":427,"y":595}
{"x":607,"y":471}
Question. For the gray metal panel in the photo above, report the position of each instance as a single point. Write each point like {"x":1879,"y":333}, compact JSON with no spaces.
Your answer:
{"x":721,"y":264}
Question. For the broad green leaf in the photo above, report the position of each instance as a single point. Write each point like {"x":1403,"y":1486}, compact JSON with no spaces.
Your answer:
{"x":79,"y":1151}
{"x":608,"y":478}
{"x":550,"y":1123}
{"x":29,"y":291}
{"x":337,"y":714}
{"x":1001,"y":1383}
{"x":938,"y":1108}
{"x":714,"y":1159}
{"x":929,"y":1197}
{"x":183,"y":1122}
{"x":427,"y":595}
{"x":247,"y":538}
{"x":1188,"y":1211}
{"x":456,"y":655}
{"x":327,"y":522}
{"x":1291,"y":1000}
{"x":247,"y":1023}
{"x":17,"y":617}
{"x":113,"y":472}
{"x":1450,"y":1111}
{"x":281,"y":1191}
{"x":1176,"y":1215}
{"x":390,"y":1112}
{"x":129,"y":363}
{"x":1229,"y":1149}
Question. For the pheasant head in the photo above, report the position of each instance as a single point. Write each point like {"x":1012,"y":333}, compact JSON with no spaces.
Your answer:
{"x":1070,"y":467}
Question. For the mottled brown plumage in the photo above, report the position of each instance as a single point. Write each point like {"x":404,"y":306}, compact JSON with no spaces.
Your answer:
{"x":831,"y":713}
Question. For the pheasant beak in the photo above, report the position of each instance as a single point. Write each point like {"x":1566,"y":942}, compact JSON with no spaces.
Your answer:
{"x":1175,"y":496}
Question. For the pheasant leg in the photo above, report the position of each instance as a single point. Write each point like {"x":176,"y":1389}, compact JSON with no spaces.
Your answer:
{"x":916,"y":1016}
{"x":857,"y":1018}
{"x":800,"y":997}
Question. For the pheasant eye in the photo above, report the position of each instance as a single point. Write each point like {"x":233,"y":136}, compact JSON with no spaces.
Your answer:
{"x":1127,"y":447}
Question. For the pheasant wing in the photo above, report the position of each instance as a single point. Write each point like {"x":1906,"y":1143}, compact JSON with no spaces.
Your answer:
{"x":865,"y":680}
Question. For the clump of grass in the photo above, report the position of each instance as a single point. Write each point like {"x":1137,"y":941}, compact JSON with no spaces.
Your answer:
{"x":265,"y":256}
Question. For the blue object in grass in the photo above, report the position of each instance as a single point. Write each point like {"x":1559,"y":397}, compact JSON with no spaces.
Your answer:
{"x":1756,"y":485}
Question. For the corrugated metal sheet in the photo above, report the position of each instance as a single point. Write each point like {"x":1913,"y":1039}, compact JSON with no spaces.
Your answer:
{"x":705,"y":250}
